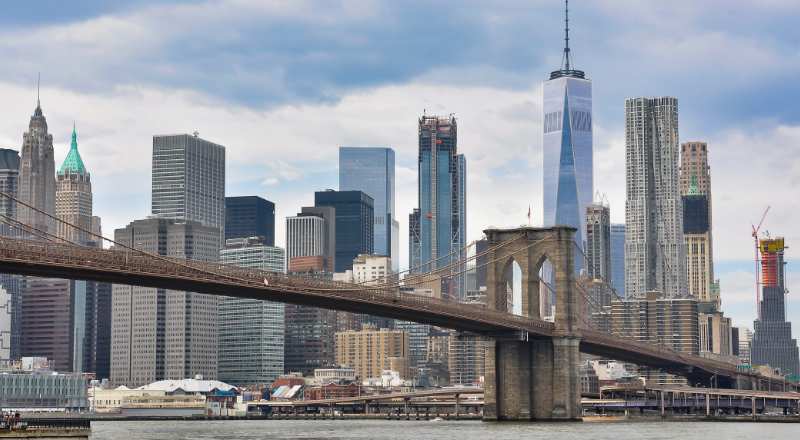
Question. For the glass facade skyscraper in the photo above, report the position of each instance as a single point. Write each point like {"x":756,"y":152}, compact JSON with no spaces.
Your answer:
{"x":568,"y":152}
{"x":354,"y":222}
{"x":251,"y":331}
{"x":618,"y":258}
{"x":371,"y":170}
{"x":441,"y":195}
{"x":250,"y":216}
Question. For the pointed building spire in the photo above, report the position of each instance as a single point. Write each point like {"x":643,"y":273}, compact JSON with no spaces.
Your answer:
{"x":73,"y":163}
{"x":566,"y":61}
{"x":38,"y":111}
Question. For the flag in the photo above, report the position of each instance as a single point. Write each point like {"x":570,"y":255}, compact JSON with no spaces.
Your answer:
{"x":529,"y":215}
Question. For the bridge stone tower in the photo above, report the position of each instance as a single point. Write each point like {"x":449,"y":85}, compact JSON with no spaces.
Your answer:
{"x":526,"y":378}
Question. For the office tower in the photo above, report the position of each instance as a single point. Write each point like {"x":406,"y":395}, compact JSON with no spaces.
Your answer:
{"x":442,"y":222}
{"x":45,"y":319}
{"x":37,"y":175}
{"x":9,"y":182}
{"x":716,"y":333}
{"x":354,"y":222}
{"x":311,"y":240}
{"x":668,"y":322}
{"x":414,"y":242}
{"x":772,"y":339}
{"x":598,"y":241}
{"x":74,"y":198}
{"x":567,"y":143}
{"x":417,"y":343}
{"x":189,"y":180}
{"x":159,"y":333}
{"x":371,"y":170}
{"x":5,"y":326}
{"x":250,"y":216}
{"x":310,"y":250}
{"x":371,"y":350}
{"x":618,"y":258}
{"x":699,"y":252}
{"x":89,"y":300}
{"x":46,"y":322}
{"x":745,"y":339}
{"x":695,"y":175}
{"x":696,"y":197}
{"x":250,"y":331}
{"x":466,"y":360}
{"x":655,"y":259}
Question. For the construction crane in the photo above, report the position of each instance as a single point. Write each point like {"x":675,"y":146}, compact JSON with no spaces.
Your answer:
{"x":758,"y":268}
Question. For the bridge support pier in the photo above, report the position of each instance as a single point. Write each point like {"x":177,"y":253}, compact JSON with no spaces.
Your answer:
{"x":532,"y":380}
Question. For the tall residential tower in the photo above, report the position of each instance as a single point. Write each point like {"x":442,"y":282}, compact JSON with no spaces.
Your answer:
{"x":655,"y":259}
{"x":441,"y":196}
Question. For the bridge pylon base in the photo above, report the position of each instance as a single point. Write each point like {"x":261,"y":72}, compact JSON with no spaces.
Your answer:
{"x":532,"y":380}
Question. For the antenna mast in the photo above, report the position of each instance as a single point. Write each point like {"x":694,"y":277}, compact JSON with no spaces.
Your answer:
{"x":566,"y":35}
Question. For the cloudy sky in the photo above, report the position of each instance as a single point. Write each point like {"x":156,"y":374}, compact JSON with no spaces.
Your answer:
{"x":282,"y":84}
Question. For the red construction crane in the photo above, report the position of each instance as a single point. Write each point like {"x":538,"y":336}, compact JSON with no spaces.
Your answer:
{"x":758,"y":268}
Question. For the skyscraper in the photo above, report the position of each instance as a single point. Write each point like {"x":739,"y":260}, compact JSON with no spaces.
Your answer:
{"x":250,"y":216}
{"x":567,"y":143}
{"x":442,"y":221}
{"x":189,"y":180}
{"x":309,"y":331}
{"x":5,"y":325}
{"x":414,"y":241}
{"x":354,"y":223}
{"x":9,"y":183}
{"x":37,"y":175}
{"x":655,"y":258}
{"x":772,"y":342}
{"x":158,"y":333}
{"x":697,"y":226}
{"x":371,"y":170}
{"x":74,"y":197}
{"x":598,"y":241}
{"x":46,"y":324}
{"x":618,"y":258}
{"x":89,"y":300}
{"x":251,"y":331}
{"x":310,"y":237}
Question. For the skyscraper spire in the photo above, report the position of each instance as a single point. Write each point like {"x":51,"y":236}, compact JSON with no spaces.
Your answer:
{"x":566,"y":63}
{"x":565,"y":60}
{"x":38,"y":82}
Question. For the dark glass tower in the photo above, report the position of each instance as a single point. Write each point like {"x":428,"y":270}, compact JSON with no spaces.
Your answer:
{"x":442,"y":204}
{"x":354,"y":224}
{"x":250,"y":216}
{"x":772,"y":341}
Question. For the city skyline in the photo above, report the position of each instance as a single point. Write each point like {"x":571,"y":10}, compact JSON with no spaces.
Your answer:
{"x":306,"y":178}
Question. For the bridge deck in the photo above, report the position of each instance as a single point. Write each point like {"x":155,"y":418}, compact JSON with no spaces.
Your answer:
{"x":36,"y":258}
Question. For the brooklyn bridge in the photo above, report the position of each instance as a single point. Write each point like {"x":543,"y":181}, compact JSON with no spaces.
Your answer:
{"x":532,"y":365}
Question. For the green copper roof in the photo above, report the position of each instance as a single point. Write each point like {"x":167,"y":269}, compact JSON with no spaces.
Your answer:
{"x":73,"y":162}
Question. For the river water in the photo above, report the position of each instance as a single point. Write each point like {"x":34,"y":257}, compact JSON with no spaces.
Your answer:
{"x":428,"y":430}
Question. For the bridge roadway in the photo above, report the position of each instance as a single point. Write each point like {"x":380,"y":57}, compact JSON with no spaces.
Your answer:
{"x":46,"y":259}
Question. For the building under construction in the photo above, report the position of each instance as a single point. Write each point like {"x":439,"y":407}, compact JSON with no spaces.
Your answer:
{"x":772,"y":341}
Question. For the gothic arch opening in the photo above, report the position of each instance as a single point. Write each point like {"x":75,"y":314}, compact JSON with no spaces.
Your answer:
{"x":512,"y":276}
